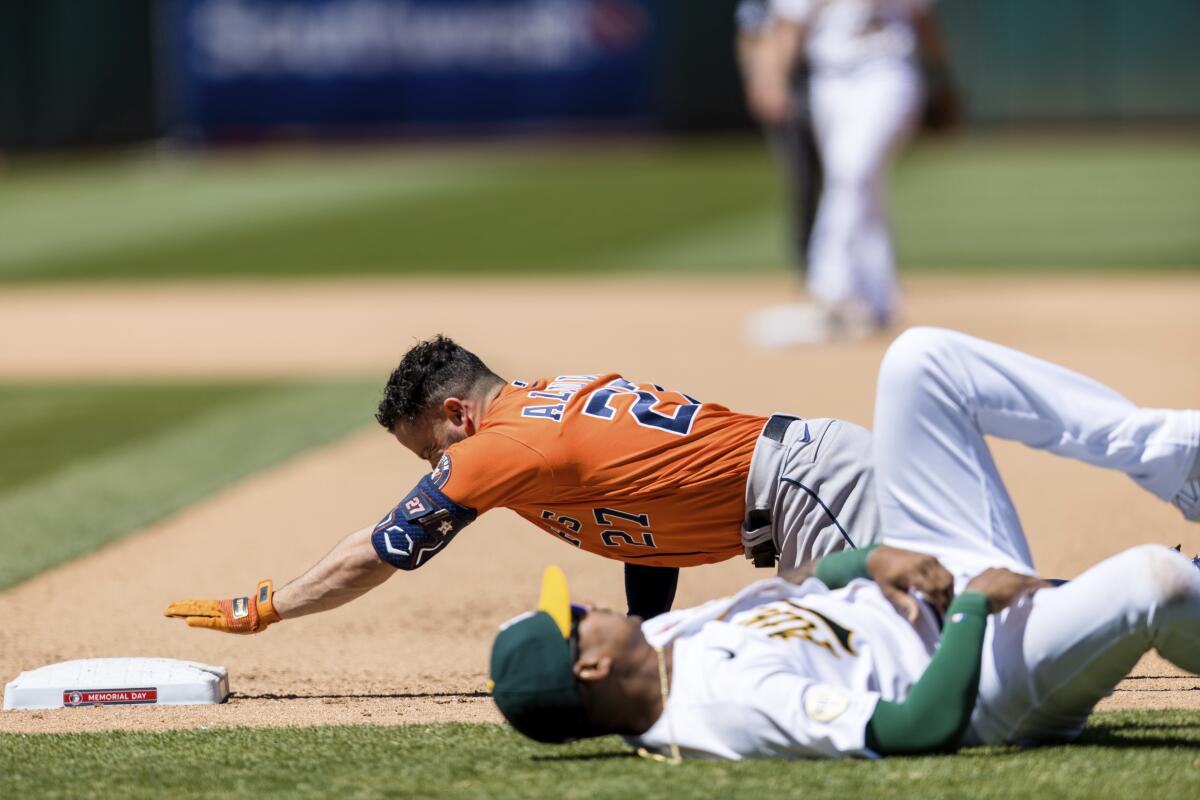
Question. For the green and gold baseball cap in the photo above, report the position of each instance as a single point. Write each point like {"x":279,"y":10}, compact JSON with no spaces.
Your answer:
{"x":533,"y":682}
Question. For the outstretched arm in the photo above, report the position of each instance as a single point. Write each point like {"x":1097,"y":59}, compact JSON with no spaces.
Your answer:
{"x":417,"y":529}
{"x":350,"y":570}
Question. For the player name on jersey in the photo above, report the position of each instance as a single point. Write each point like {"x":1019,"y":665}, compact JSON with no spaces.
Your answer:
{"x":109,"y":697}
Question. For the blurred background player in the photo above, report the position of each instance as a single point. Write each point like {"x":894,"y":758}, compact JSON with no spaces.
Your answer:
{"x":865,"y":87}
{"x":792,"y":142}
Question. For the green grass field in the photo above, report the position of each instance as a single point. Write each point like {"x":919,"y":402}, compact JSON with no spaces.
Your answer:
{"x":1117,"y":201}
{"x":1126,"y":755}
{"x":114,"y":458}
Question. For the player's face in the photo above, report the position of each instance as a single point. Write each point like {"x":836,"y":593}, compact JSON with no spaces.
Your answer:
{"x":430,"y":435}
{"x":608,"y":632}
{"x":428,"y":438}
{"x":615,"y":670}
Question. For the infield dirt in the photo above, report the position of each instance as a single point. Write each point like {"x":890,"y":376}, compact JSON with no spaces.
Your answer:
{"x":415,"y":650}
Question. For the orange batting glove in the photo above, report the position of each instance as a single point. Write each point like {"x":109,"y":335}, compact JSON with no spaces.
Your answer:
{"x":239,"y":615}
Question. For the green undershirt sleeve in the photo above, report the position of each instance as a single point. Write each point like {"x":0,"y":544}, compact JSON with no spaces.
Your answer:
{"x":838,"y":569}
{"x":935,"y":714}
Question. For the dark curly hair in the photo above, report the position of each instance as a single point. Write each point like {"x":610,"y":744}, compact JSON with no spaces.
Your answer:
{"x":430,"y":372}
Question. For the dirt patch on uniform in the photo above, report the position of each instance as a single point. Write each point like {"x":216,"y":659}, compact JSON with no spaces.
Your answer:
{"x":415,"y":650}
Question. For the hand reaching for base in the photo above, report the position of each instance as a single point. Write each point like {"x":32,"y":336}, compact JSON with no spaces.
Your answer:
{"x":238,"y":615}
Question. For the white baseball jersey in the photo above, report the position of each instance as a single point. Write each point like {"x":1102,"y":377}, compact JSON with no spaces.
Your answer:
{"x":846,"y":33}
{"x":790,"y":671}
{"x":785,"y":671}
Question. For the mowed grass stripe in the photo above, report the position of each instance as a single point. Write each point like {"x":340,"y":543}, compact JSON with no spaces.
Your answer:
{"x":975,"y":202}
{"x":520,"y":212}
{"x":44,"y":427}
{"x":67,"y":217}
{"x":1122,"y":755}
{"x":108,"y":460}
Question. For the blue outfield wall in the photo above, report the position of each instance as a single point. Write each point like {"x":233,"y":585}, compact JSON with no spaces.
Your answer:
{"x":256,"y":67}
{"x":241,"y":67}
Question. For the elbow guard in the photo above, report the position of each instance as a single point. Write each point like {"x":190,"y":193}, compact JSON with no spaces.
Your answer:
{"x":419,"y":526}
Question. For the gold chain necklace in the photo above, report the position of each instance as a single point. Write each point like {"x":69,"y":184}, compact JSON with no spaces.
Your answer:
{"x":675,"y":757}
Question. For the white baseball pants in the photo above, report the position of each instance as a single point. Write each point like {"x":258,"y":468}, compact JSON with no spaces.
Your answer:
{"x":859,"y":117}
{"x":1048,"y":660}
{"x":940,"y":391}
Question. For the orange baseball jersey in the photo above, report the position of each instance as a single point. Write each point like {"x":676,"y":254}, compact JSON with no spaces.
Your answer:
{"x":628,"y":471}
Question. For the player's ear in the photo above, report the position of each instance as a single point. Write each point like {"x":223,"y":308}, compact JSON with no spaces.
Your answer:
{"x":591,"y":670}
{"x":453,"y":410}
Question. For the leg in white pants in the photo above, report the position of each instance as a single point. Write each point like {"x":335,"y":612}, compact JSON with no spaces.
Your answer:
{"x":859,"y":118}
{"x":1050,"y":659}
{"x":940,"y":391}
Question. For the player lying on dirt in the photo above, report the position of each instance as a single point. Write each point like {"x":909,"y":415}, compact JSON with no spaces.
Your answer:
{"x":796,"y":666}
{"x":660,"y":480}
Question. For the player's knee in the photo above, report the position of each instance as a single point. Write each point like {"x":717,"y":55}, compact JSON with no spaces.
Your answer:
{"x":1176,"y":578}
{"x":914,"y":354}
{"x":1160,"y":576}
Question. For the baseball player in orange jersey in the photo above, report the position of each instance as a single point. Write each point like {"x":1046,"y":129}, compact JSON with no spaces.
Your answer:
{"x":660,"y":480}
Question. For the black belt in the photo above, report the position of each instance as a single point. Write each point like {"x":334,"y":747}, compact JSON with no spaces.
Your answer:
{"x":777,"y":426}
